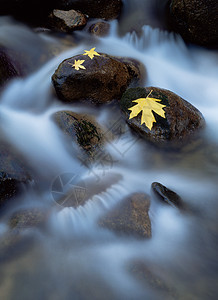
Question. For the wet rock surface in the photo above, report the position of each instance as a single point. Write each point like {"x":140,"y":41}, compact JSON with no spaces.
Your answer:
{"x":181,"y":122}
{"x":130,"y":217}
{"x":100,"y":79}
{"x":66,"y":21}
{"x":100,"y":29}
{"x":81,"y":128}
{"x":94,"y":9}
{"x":195,"y":20}
{"x":167,"y":196}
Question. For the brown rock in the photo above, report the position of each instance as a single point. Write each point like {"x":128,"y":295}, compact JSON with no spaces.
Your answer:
{"x":67,"y":21}
{"x":104,"y":78}
{"x":100,"y":29}
{"x":182,"y":120}
{"x":195,"y":20}
{"x":130,"y":217}
{"x":103,"y":9}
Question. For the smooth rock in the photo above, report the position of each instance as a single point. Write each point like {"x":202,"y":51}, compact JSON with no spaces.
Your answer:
{"x":167,"y":196}
{"x":103,"y":9}
{"x":182,"y":120}
{"x":104,"y":78}
{"x":67,"y":21}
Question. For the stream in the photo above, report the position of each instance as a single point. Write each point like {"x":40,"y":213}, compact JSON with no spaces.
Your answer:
{"x":75,"y":258}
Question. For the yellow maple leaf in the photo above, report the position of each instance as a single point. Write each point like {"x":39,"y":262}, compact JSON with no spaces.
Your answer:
{"x":91,"y":53}
{"x":78,"y":64}
{"x":147,"y":105}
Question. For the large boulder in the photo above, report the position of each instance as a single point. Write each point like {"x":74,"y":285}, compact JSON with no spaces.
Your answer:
{"x":100,"y":79}
{"x":180,"y":120}
{"x":195,"y":20}
{"x":130,"y":217}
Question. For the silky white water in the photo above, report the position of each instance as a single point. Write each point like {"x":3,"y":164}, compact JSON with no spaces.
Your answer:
{"x":76,"y":259}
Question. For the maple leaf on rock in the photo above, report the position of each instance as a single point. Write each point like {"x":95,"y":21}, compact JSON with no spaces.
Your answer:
{"x":78,"y":64}
{"x":91,"y":53}
{"x":147,"y":106}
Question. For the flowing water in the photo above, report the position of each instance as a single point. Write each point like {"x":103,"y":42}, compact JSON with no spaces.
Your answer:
{"x":75,"y":258}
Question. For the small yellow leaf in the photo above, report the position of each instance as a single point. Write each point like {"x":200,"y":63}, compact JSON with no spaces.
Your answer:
{"x":78,"y":64}
{"x":147,"y":105}
{"x":91,"y":53}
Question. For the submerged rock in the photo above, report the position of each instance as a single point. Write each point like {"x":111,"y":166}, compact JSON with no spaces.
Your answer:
{"x":100,"y":29}
{"x":80,"y":128}
{"x":180,"y":123}
{"x":130,"y":217}
{"x":27,"y":218}
{"x":196,"y":21}
{"x":67,"y":21}
{"x":148,"y":276}
{"x":100,"y":78}
{"x":103,"y":9}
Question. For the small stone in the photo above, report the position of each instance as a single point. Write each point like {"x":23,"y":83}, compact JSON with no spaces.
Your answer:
{"x":67,"y":21}
{"x":100,"y":29}
{"x":130,"y":217}
{"x":166,"y":195}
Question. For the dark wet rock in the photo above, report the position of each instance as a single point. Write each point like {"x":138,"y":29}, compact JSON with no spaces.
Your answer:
{"x":182,"y":120}
{"x":13,"y":176}
{"x":28,"y":218}
{"x":8,"y":68}
{"x":67,"y":21}
{"x":33,"y":12}
{"x":104,"y":78}
{"x":167,"y":196}
{"x":80,"y":128}
{"x":100,"y":29}
{"x":195,"y":20}
{"x":148,"y":276}
{"x":103,"y":9}
{"x":130,"y":217}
